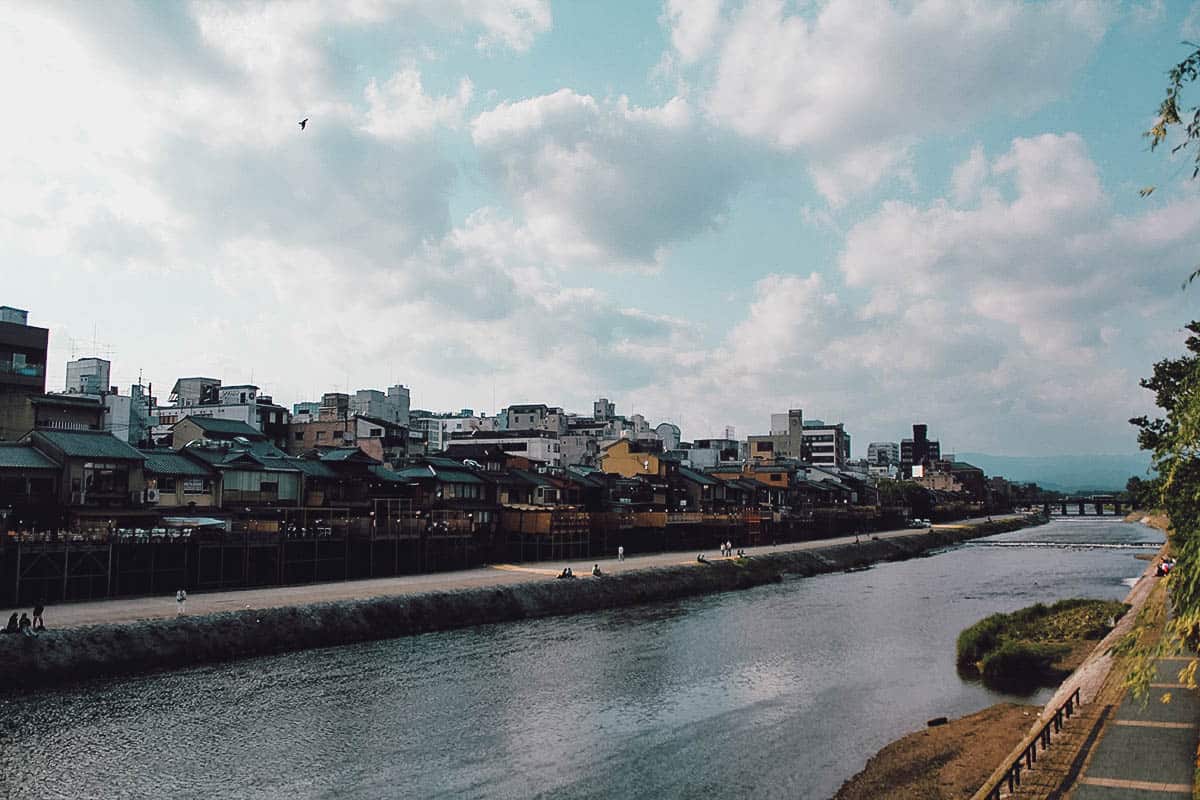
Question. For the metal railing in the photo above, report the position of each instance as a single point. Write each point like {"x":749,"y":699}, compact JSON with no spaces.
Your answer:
{"x":1028,"y":756}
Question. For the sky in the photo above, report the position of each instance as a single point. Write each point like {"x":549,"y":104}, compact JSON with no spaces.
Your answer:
{"x":705,"y":210}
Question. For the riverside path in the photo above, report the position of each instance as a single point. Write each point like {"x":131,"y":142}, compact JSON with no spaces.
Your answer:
{"x":71,"y":615}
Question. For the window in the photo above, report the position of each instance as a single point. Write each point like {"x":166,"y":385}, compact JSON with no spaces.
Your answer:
{"x":320,"y":435}
{"x":197,"y":486}
{"x":764,"y":447}
{"x":166,"y":483}
{"x":776,"y":476}
{"x":269,"y":488}
{"x":299,"y":436}
{"x":376,"y":432}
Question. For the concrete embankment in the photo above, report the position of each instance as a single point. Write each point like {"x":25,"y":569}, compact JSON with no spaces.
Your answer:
{"x":64,"y":656}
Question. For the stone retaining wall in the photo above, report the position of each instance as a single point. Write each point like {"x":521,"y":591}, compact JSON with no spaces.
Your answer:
{"x":63,"y":656}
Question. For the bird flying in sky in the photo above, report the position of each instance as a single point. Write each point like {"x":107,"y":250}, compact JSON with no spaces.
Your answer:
{"x":303,"y":122}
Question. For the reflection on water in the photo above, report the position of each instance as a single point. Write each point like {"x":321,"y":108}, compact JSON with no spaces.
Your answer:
{"x":780,"y":691}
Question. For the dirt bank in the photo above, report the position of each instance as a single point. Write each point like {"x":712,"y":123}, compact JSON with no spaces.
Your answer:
{"x":949,"y":761}
{"x":58,"y":657}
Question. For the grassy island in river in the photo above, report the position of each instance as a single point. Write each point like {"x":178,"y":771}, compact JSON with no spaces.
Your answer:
{"x":1038,"y":645}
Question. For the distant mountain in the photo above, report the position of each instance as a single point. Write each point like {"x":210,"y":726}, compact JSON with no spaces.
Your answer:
{"x":1064,"y":473}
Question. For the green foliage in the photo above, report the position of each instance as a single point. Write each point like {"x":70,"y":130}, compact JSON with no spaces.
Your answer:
{"x":1143,"y":494}
{"x":1171,"y":114}
{"x":1021,"y":662}
{"x":980,"y":639}
{"x":904,"y":493}
{"x":1037,"y":626}
{"x":1174,"y":440}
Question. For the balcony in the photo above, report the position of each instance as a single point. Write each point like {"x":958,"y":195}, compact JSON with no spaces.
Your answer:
{"x":23,"y":370}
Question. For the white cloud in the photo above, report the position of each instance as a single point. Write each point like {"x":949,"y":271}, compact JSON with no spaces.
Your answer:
{"x":969,"y":176}
{"x":1190,"y":29}
{"x":693,"y":25}
{"x":1147,"y":12}
{"x":400,"y":109}
{"x":608,"y":182}
{"x":849,"y":79}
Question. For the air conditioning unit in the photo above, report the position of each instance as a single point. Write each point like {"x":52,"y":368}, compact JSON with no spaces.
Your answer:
{"x":152,"y":495}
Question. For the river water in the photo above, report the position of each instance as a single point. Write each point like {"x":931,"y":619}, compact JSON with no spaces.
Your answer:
{"x":782,"y":691}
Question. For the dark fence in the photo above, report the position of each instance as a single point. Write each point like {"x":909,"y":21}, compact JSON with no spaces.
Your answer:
{"x":1011,"y":776}
{"x":50,"y":568}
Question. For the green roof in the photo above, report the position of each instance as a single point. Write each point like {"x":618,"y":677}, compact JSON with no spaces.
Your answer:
{"x":347,"y":454}
{"x":87,"y":444}
{"x":23,"y":456}
{"x":443,"y":463}
{"x":457,"y":476}
{"x":529,"y":477}
{"x":225,"y":427}
{"x":169,"y":462}
{"x":415,"y":473}
{"x":313,"y":468}
{"x":696,"y":477}
{"x":384,"y":474}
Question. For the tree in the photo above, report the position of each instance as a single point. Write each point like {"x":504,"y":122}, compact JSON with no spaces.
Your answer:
{"x":1174,"y":441}
{"x":1171,"y":116}
{"x":1142,"y":493}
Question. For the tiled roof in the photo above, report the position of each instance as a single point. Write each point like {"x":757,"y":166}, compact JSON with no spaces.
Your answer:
{"x":88,"y":444}
{"x":281,"y":464}
{"x":457,"y":476}
{"x":387,"y":475}
{"x":313,"y":468}
{"x":169,"y":462}
{"x":697,"y":477}
{"x":23,"y":456}
{"x":225,"y":427}
{"x":529,"y":477}
{"x":416,"y":473}
{"x":341,"y":454}
{"x":252,"y":458}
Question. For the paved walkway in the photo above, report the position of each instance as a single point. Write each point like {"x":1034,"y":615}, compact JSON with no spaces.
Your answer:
{"x":1117,"y":748}
{"x":1146,"y":751}
{"x":72,"y":615}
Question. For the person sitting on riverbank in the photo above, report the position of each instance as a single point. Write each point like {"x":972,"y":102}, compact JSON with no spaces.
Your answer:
{"x":596,"y":570}
{"x":39,"y":624}
{"x":26,"y":625}
{"x":12,"y":626}
{"x":566,"y":573}
{"x":702,"y":559}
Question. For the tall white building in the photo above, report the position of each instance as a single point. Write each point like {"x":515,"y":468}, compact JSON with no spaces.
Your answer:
{"x":827,"y":446}
{"x":883,"y":453}
{"x":392,"y":406}
{"x":88,"y":376}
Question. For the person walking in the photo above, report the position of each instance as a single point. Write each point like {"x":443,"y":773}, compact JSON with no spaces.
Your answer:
{"x":39,"y":624}
{"x":180,"y":602}
{"x":620,"y":552}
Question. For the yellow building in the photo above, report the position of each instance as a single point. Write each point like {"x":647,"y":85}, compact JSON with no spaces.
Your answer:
{"x":629,"y":459}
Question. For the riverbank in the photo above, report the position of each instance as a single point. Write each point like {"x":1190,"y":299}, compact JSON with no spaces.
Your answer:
{"x":65,"y":656}
{"x":943,"y":762}
{"x":981,"y":751}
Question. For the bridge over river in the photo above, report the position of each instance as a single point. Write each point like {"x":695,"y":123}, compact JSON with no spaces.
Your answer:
{"x":1098,"y":504}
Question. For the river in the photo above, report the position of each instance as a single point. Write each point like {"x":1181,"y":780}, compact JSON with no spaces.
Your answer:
{"x":782,"y":691}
